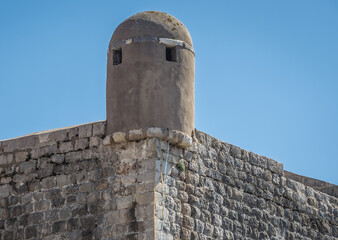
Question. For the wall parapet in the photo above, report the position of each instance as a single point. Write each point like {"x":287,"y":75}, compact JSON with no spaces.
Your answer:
{"x":45,"y":138}
{"x":319,"y":185}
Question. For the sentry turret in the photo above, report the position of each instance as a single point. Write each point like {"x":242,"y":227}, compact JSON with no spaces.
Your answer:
{"x":150,"y":74}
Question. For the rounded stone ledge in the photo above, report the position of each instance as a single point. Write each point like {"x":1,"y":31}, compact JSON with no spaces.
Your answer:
{"x":166,"y":41}
{"x":175,"y":137}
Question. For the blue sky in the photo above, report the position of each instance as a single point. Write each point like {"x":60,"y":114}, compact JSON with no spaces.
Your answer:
{"x":266,"y":71}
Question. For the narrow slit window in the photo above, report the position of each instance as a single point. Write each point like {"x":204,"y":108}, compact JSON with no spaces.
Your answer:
{"x":170,"y":54}
{"x":117,"y":56}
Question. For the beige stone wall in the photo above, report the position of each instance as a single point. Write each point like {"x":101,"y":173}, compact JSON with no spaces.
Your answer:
{"x":224,"y":192}
{"x":77,"y":183}
{"x":66,"y":184}
{"x":319,"y":185}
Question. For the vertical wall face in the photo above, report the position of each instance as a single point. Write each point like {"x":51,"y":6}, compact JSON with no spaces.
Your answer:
{"x":77,"y":183}
{"x":153,"y":84}
{"x":68,"y":184}
{"x":225,"y":192}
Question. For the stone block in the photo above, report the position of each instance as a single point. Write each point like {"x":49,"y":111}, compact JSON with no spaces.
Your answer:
{"x":119,"y":137}
{"x":44,"y":138}
{"x":21,"y":156}
{"x":94,"y":142}
{"x":107,"y":140}
{"x":128,"y":180}
{"x":93,"y":197}
{"x":155,"y":132}
{"x":73,"y":224}
{"x":257,"y":171}
{"x":275,"y":167}
{"x":72,"y":157}
{"x":57,"y":202}
{"x":65,"y":213}
{"x":87,"y":187}
{"x":94,"y":175}
{"x":43,"y":151}
{"x":35,"y":218}
{"x":62,"y":180}
{"x":6,"y":180}
{"x":6,"y":159}
{"x":267,"y":176}
{"x":99,"y":128}
{"x":136,"y":134}
{"x":4,"y":191}
{"x":124,"y":202}
{"x":85,"y":130}
{"x":235,"y":152}
{"x":42,"y":205}
{"x":66,"y":147}
{"x":185,"y":141}
{"x":21,"y":143}
{"x":27,"y":167}
{"x":81,"y":143}
{"x":73,"y":133}
{"x":59,"y":135}
{"x":31,"y":232}
{"x":58,"y":158}
{"x":34,"y":185}
{"x":59,"y":227}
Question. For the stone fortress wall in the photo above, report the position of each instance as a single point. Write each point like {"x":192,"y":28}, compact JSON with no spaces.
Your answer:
{"x":319,"y":185}
{"x":68,"y":184}
{"x":77,"y":183}
{"x":229,"y":193}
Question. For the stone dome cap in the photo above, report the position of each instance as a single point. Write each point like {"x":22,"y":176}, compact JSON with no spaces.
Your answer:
{"x":151,"y":24}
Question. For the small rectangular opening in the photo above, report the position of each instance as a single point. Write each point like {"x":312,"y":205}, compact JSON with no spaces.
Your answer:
{"x":170,"y":53}
{"x":117,"y":56}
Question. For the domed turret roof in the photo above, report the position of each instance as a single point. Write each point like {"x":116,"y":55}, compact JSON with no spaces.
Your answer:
{"x":151,"y":23}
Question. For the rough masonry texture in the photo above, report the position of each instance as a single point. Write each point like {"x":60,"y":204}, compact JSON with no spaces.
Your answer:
{"x":146,"y":173}
{"x":78,"y":183}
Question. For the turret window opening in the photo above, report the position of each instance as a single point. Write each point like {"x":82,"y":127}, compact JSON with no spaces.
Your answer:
{"x":117,"y":56}
{"x":170,"y":53}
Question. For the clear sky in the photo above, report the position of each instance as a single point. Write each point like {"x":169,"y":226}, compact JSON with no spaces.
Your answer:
{"x":266,"y":71}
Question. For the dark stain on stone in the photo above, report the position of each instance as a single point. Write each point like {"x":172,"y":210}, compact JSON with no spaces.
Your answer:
{"x":133,"y":225}
{"x":132,"y":236}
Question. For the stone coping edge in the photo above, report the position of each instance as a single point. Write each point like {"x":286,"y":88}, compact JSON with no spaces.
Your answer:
{"x":52,"y":131}
{"x":175,"y":137}
{"x":166,"y":41}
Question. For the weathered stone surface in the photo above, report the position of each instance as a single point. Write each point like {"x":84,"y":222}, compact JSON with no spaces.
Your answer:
{"x":134,"y":135}
{"x":6,"y":159}
{"x":155,"y":132}
{"x":144,"y":38}
{"x":4,"y":191}
{"x":119,"y":137}
{"x":238,"y":195}
{"x":85,"y":130}
{"x":21,"y":156}
{"x":66,"y":147}
{"x":322,"y":186}
{"x":107,"y":140}
{"x":71,"y":187}
{"x":99,"y":128}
